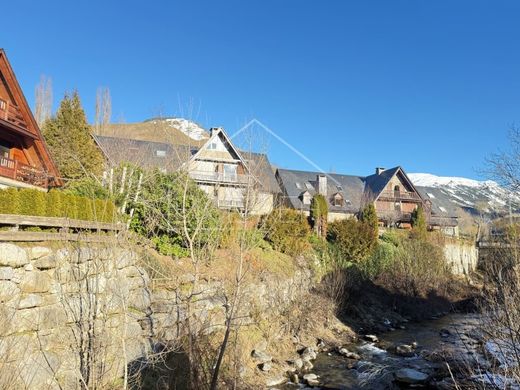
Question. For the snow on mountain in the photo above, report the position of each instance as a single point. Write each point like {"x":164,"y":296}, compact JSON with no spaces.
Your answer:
{"x":469,"y":194}
{"x":191,"y":129}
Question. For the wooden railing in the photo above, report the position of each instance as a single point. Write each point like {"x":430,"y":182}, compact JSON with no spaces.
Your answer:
{"x":65,"y":229}
{"x":230,"y":203}
{"x":395,"y":216}
{"x":218,"y":177}
{"x":12,"y":113}
{"x":18,"y":171}
{"x":400,"y":195}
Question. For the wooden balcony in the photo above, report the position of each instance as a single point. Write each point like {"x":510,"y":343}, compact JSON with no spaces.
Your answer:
{"x":394,"y":216}
{"x":218,"y":177}
{"x":400,"y":196}
{"x":12,"y":114}
{"x":23,"y":173}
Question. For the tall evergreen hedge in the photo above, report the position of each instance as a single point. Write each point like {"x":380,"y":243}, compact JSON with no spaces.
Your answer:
{"x":56,"y":203}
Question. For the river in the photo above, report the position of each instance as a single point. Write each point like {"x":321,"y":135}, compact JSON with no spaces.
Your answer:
{"x":453,"y":335}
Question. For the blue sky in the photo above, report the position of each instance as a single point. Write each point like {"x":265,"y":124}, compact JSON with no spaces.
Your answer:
{"x":429,"y":85}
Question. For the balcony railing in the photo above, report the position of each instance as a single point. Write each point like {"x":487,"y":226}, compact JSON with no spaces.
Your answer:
{"x":230,"y":203}
{"x":21,"y":172}
{"x":399,"y":195}
{"x":218,"y":177}
{"x":394,"y":216}
{"x":12,"y":113}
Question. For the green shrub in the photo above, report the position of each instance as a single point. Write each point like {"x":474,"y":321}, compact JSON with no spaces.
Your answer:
{"x":288,"y":231}
{"x":87,"y":187}
{"x":9,"y":201}
{"x":353,"y":239}
{"x":170,"y":246}
{"x":70,"y":208}
{"x":381,"y":260}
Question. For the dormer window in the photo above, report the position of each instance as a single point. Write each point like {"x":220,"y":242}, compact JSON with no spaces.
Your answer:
{"x":306,"y":198}
{"x":161,"y":153}
{"x":338,"y":200}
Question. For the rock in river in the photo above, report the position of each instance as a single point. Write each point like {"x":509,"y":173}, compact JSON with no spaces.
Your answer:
{"x":411,"y":376}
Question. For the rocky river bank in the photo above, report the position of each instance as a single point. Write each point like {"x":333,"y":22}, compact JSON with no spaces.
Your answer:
{"x":440,"y":353}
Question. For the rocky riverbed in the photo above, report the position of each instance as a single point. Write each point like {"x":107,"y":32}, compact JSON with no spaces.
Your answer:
{"x":427,"y":354}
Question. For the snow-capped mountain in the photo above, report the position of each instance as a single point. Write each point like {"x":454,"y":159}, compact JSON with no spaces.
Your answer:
{"x":468,"y":194}
{"x":191,"y":129}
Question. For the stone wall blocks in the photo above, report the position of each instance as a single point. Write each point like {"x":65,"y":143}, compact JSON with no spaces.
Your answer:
{"x":12,"y":255}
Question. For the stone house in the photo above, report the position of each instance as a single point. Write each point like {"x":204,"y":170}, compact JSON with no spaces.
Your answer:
{"x":234,"y":179}
{"x":390,"y":190}
{"x":24,"y":158}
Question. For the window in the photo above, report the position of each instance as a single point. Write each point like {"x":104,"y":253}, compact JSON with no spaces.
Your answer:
{"x":431,"y":196}
{"x":4,"y":150}
{"x":299,"y":186}
{"x":397,"y":207}
{"x":230,"y":172}
{"x":443,"y":209}
{"x":309,"y":186}
{"x":161,"y":153}
{"x":212,"y":146}
{"x":3,"y":105}
{"x":340,"y":188}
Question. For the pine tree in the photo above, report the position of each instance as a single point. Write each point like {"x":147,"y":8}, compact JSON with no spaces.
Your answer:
{"x":70,"y":142}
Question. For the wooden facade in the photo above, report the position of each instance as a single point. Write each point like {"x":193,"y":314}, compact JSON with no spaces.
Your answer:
{"x":24,"y":157}
{"x":398,"y":200}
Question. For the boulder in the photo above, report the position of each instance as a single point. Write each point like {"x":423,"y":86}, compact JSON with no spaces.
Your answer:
{"x":411,"y":376}
{"x":298,"y":363}
{"x":265,"y":367}
{"x":45,"y":262}
{"x":309,"y":354}
{"x":307,"y":365}
{"x":261,"y":356}
{"x":404,"y":350}
{"x":372,"y":338}
{"x":311,"y":379}
{"x":12,"y":255}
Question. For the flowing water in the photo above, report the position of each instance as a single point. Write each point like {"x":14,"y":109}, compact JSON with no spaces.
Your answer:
{"x":453,"y":334}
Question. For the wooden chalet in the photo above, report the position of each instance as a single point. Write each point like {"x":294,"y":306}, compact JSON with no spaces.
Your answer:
{"x":24,"y":157}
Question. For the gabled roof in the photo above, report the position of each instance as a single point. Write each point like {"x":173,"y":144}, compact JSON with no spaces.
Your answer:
{"x":146,"y":154}
{"x":32,"y":131}
{"x":350,"y":187}
{"x":376,"y":183}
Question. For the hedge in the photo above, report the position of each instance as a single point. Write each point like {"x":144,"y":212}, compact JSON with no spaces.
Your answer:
{"x":56,"y":203}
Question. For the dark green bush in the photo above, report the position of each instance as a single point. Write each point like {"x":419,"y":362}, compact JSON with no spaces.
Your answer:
{"x":288,"y":231}
{"x":353,"y":239}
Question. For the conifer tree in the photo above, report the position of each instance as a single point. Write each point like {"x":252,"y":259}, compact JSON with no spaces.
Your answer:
{"x":319,"y":213}
{"x":419,"y":225}
{"x":68,"y":136}
{"x":369,"y":217}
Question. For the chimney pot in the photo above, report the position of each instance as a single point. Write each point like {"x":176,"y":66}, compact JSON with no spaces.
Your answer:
{"x":379,"y":170}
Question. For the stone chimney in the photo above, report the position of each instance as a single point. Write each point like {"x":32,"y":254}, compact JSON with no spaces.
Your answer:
{"x":213,"y":130}
{"x":379,"y":170}
{"x":322,"y":184}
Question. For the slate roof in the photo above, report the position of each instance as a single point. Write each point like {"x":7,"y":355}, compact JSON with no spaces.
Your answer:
{"x":355,"y":189}
{"x":350,"y":187}
{"x":172,"y":156}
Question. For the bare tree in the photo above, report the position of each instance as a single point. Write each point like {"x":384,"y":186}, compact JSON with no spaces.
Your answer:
{"x":103,"y":109}
{"x":43,"y":100}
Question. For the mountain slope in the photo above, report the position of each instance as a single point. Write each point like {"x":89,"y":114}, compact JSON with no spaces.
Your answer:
{"x":472,"y":196}
{"x":178,"y":131}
